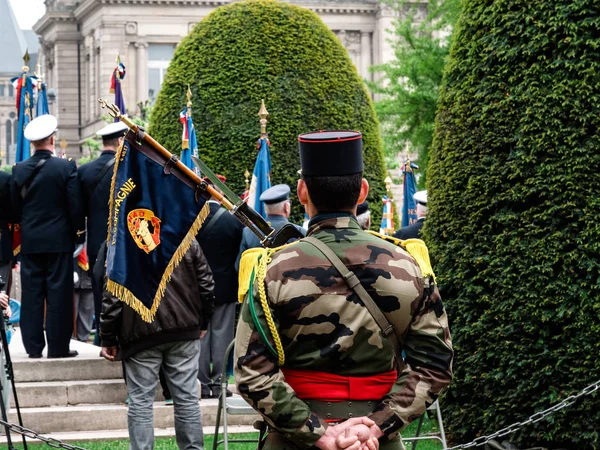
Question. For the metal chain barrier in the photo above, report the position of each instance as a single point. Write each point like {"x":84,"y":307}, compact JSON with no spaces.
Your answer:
{"x":533,"y":419}
{"x":54,"y":443}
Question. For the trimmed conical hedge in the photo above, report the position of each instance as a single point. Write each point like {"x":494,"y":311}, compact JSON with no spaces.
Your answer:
{"x":514,"y":218}
{"x":260,"y":49}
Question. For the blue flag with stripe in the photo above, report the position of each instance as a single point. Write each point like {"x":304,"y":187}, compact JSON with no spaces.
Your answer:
{"x":261,"y":177}
{"x":41,"y":106}
{"x":154,"y":217}
{"x":409,"y":205}
{"x":24,"y":88}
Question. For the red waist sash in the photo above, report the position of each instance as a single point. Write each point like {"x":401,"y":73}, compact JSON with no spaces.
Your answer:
{"x":329,"y":387}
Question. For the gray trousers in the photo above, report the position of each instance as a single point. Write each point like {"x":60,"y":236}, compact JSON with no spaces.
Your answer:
{"x":180,"y":363}
{"x":219,"y":336}
{"x":84,"y":309}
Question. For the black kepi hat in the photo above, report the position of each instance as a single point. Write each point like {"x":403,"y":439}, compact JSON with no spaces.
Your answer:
{"x":330,"y":153}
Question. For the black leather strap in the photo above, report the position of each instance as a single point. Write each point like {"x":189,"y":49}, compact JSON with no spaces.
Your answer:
{"x":27,"y":183}
{"x":100,"y":176}
{"x":352,"y":280}
{"x":210,"y":225}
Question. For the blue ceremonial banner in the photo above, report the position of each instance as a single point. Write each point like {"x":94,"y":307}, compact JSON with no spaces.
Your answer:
{"x":41,"y":107}
{"x":409,"y":205}
{"x":261,"y":178}
{"x":24,"y":88}
{"x":154,"y":217}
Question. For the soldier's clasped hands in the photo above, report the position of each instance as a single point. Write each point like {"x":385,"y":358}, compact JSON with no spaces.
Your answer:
{"x":358,"y":433}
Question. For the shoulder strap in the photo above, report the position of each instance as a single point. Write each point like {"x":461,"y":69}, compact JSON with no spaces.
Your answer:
{"x":386,"y":327}
{"x":27,"y":183}
{"x":209,"y":226}
{"x":98,"y":179}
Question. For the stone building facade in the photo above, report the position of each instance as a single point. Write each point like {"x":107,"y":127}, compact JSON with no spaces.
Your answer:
{"x":81,"y":39}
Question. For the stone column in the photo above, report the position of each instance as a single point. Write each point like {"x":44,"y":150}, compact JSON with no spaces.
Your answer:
{"x":365,"y":55}
{"x":142,"y":71}
{"x":384,"y":24}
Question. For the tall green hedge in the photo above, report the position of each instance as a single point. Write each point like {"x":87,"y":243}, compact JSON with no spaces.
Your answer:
{"x":260,"y":49}
{"x":514,"y":217}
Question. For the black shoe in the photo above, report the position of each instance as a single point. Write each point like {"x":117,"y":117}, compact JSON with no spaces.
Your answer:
{"x":217,"y":394}
{"x":35,"y":356}
{"x":71,"y":354}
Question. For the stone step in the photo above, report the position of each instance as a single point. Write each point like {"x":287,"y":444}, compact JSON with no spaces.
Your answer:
{"x":112,"y":435}
{"x":59,"y":419}
{"x":71,"y":393}
{"x":67,"y":369}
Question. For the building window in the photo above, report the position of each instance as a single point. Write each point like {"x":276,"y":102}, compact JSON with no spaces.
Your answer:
{"x":159,"y":57}
{"x":11,"y":90}
{"x":1,"y":90}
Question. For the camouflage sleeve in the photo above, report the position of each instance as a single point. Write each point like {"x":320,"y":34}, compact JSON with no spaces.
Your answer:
{"x":427,"y":369}
{"x":262,"y":384}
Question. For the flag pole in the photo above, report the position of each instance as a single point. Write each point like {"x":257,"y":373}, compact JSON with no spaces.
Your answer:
{"x":167,"y":159}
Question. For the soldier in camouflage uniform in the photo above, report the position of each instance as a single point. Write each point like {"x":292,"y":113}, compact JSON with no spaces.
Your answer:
{"x":323,"y":358}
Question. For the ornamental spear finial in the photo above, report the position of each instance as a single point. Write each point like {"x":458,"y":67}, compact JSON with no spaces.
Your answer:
{"x":263,"y":114}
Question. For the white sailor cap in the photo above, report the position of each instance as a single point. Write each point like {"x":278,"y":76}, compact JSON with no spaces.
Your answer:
{"x":113,"y":131}
{"x":421,"y":197}
{"x":41,"y":127}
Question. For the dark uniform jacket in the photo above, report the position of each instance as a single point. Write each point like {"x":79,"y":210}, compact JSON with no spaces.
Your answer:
{"x":250,"y":240}
{"x":5,"y":213}
{"x":184,"y":311}
{"x":51,"y":215}
{"x":220,"y":243}
{"x":411,"y":231}
{"x":95,"y":200}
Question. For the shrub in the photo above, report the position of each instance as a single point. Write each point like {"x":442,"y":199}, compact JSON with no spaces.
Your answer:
{"x":513,"y":217}
{"x":247,"y":51}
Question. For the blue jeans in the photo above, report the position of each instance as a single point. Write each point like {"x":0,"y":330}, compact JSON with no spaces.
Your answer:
{"x":180,"y":363}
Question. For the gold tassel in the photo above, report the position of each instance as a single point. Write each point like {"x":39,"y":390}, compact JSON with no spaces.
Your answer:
{"x":126,"y":296}
{"x":418,"y":250}
{"x":248,"y":262}
{"x":415,"y":247}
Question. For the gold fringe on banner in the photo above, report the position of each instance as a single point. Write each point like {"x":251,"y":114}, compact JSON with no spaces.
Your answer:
{"x":112,"y":189}
{"x":126,"y":296}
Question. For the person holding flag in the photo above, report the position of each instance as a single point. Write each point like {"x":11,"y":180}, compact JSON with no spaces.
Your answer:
{"x":261,"y":178}
{"x":115,"y":85}
{"x":154,"y":218}
{"x":413,"y":231}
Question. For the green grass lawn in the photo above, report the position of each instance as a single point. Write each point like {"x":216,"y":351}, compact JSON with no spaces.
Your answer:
{"x":170,"y":444}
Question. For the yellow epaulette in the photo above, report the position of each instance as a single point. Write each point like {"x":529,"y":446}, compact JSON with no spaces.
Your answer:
{"x":415,"y":247}
{"x":249,"y":262}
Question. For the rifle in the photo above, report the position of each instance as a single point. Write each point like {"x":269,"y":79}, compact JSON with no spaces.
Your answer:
{"x":233,"y":203}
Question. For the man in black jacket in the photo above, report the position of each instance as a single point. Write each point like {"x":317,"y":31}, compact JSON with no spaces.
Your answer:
{"x":171,"y":340}
{"x":220,"y":239}
{"x":6,"y":251}
{"x":95,"y":178}
{"x":47,"y":200}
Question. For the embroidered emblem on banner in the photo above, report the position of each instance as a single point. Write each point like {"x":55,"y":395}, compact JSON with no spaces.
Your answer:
{"x":144,"y":227}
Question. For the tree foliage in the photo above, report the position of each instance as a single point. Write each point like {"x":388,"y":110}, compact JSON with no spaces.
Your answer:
{"x":514,"y":201}
{"x":252,"y":50}
{"x":409,"y":84}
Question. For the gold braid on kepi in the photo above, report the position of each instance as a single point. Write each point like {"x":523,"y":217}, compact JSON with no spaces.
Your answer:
{"x":415,"y":248}
{"x":253,"y":268}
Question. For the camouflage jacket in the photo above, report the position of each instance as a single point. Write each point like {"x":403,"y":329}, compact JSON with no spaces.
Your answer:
{"x":325,"y":327}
